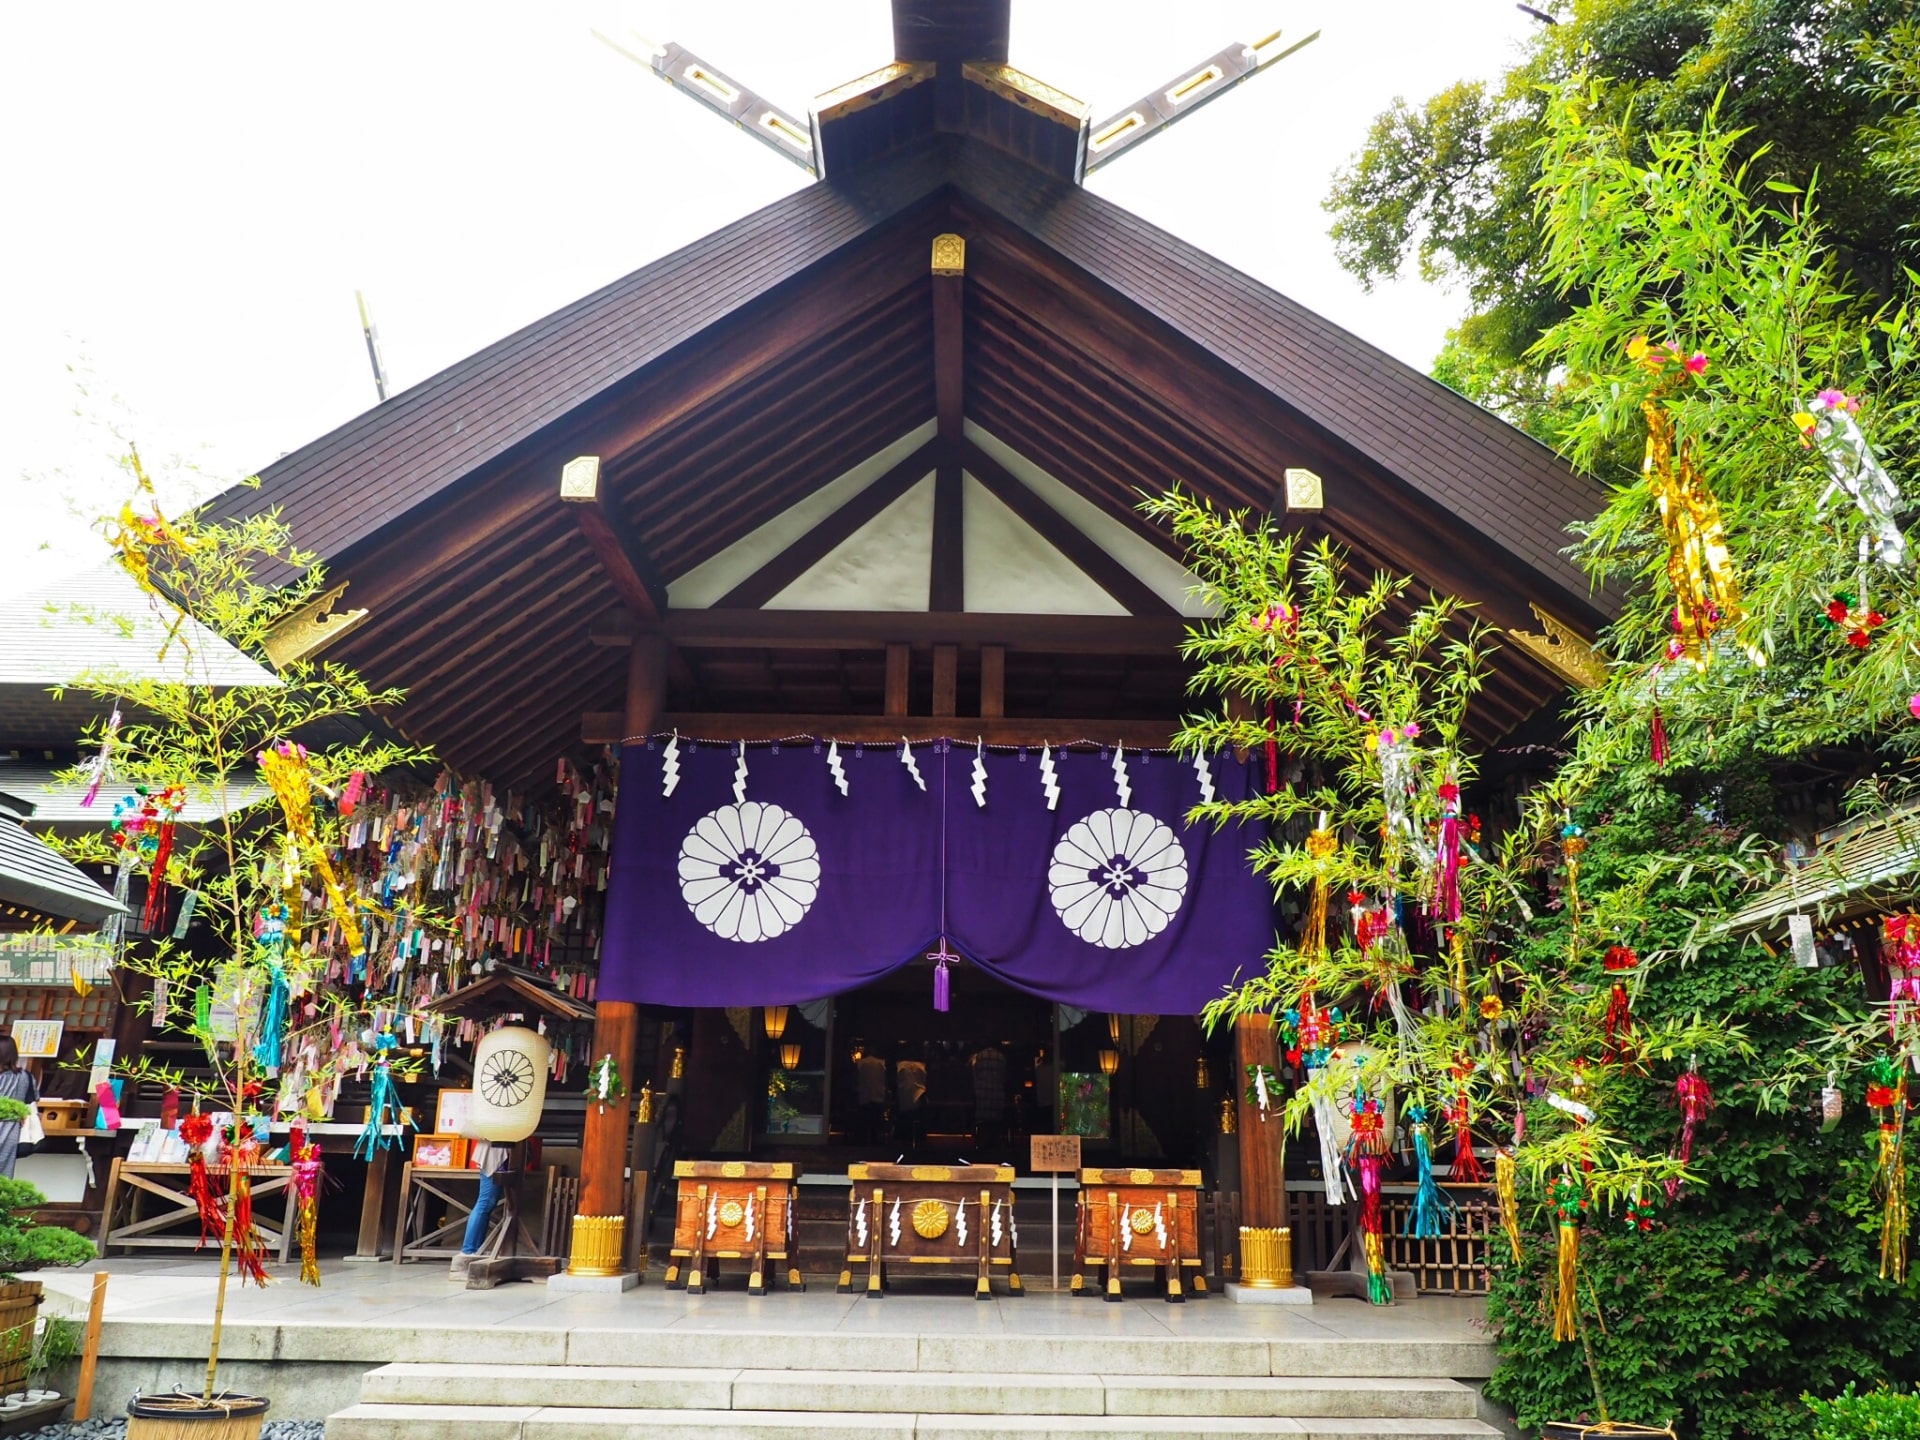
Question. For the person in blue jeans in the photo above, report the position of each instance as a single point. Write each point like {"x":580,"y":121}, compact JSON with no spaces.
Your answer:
{"x":494,"y":1161}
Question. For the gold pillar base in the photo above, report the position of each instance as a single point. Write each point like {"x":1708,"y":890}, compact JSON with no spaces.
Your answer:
{"x":1266,"y":1258}
{"x":599,"y":1245}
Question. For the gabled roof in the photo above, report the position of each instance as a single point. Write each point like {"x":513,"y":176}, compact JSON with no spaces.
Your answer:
{"x":727,"y":382}
{"x":34,"y":877}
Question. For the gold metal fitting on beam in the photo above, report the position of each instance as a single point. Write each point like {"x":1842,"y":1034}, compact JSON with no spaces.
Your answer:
{"x":1304,"y":491}
{"x":1266,"y":1258}
{"x":1562,"y":651}
{"x":580,"y":478}
{"x":599,"y":1245}
{"x":311,"y":628}
{"x":949,"y":255}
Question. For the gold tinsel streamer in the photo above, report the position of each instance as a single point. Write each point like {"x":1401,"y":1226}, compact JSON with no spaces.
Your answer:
{"x":1706,"y":591}
{"x":1313,"y":935}
{"x":287,"y":774}
{"x":1506,"y":1182}
{"x":1566,"y":1299}
{"x":309,"y":1233}
{"x":1891,"y":1178}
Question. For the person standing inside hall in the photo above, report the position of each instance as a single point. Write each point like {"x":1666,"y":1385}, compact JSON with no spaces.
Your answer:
{"x":909,"y":1101}
{"x":870,"y":1086}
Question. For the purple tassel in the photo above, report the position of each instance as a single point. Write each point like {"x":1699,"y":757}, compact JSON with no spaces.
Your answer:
{"x":941,"y":985}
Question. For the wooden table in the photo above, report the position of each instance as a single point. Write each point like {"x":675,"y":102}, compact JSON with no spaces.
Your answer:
{"x":1140,"y":1217}
{"x":132,"y":1185}
{"x":732,"y":1210}
{"x":931,"y":1215}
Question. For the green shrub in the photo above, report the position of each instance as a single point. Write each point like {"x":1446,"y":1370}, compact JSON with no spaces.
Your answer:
{"x":26,"y":1246}
{"x":1881,"y":1414}
{"x":1762,"y":1282}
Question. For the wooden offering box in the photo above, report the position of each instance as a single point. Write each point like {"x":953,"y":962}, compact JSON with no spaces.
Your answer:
{"x":732,"y":1210}
{"x":931,"y":1215}
{"x":1140,"y":1217}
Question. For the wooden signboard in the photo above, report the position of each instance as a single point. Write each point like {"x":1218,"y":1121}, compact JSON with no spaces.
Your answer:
{"x":38,"y":1039}
{"x":1055,"y":1154}
{"x":931,"y":1215}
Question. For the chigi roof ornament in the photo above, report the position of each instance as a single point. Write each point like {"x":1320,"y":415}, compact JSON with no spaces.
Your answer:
{"x":950,"y":75}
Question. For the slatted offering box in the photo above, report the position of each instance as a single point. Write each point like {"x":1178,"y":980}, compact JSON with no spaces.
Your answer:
{"x":732,"y":1210}
{"x":931,"y":1215}
{"x":1140,"y":1217}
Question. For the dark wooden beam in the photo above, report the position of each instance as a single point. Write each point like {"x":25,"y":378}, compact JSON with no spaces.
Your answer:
{"x":609,"y":728}
{"x":899,"y":672}
{"x":947,"y":580}
{"x":993,"y":681}
{"x":949,"y":326}
{"x":1159,"y":635}
{"x":1053,"y":527}
{"x":611,"y":540}
{"x":814,"y":546}
{"x":946,"y":679}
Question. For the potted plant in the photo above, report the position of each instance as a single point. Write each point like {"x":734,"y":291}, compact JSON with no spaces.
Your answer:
{"x":26,"y":1247}
{"x":246,"y":913}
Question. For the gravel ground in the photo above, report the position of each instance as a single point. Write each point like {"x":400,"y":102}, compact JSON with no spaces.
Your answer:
{"x":117,"y":1429}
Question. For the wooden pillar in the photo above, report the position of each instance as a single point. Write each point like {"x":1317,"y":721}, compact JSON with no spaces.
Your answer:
{"x":600,"y":1218}
{"x":1266,"y":1258}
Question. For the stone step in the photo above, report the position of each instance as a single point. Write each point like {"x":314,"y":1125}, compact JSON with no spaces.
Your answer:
{"x":919,"y":1392}
{"x":486,"y":1422}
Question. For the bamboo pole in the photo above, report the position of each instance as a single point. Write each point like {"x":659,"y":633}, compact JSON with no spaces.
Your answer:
{"x":226,"y":1265}
{"x":90,"y":1350}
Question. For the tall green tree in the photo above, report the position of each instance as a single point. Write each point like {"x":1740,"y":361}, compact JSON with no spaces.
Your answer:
{"x":1446,"y":188}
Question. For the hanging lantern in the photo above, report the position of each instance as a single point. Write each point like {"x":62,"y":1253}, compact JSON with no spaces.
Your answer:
{"x":1113,"y":1028}
{"x":509,"y":1084}
{"x":776,"y":1017}
{"x":790,"y":1056}
{"x":1109,"y":1061}
{"x":1203,"y":1075}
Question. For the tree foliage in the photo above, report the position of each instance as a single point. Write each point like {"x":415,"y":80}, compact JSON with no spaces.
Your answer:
{"x":1448,"y":186}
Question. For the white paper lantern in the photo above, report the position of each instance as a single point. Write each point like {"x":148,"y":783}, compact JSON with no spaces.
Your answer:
{"x":1350,"y":1062}
{"x":509,"y":1085}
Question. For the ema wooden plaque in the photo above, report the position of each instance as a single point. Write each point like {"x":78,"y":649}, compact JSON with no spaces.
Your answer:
{"x":1054,"y":1154}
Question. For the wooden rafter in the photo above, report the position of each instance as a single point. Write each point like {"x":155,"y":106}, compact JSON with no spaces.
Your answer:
{"x":612,"y":540}
{"x":1108,"y":573}
{"x":946,"y":582}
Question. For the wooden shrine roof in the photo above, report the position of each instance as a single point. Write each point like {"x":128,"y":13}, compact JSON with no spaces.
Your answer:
{"x":735,"y":378}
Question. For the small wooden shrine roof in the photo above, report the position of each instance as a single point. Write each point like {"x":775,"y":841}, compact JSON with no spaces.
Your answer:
{"x":753,"y":373}
{"x":509,"y":990}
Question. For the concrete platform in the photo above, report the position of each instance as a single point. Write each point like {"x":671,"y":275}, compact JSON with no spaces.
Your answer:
{"x":526,"y":1360}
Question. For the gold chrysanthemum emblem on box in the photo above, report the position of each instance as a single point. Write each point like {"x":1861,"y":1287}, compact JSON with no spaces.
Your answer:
{"x":930,"y":1219}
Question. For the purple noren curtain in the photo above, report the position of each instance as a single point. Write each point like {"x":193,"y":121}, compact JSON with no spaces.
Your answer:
{"x":801,"y":892}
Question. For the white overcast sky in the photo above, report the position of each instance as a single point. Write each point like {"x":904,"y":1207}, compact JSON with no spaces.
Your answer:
{"x":191,"y":193}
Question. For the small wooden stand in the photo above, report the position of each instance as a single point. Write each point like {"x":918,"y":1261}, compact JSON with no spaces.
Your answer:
{"x":1140,"y":1217}
{"x":732,"y":1210}
{"x":133,"y":1186}
{"x":931,"y":1215}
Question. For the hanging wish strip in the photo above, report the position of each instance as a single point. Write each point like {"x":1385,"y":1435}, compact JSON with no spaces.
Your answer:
{"x":1827,"y":423}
